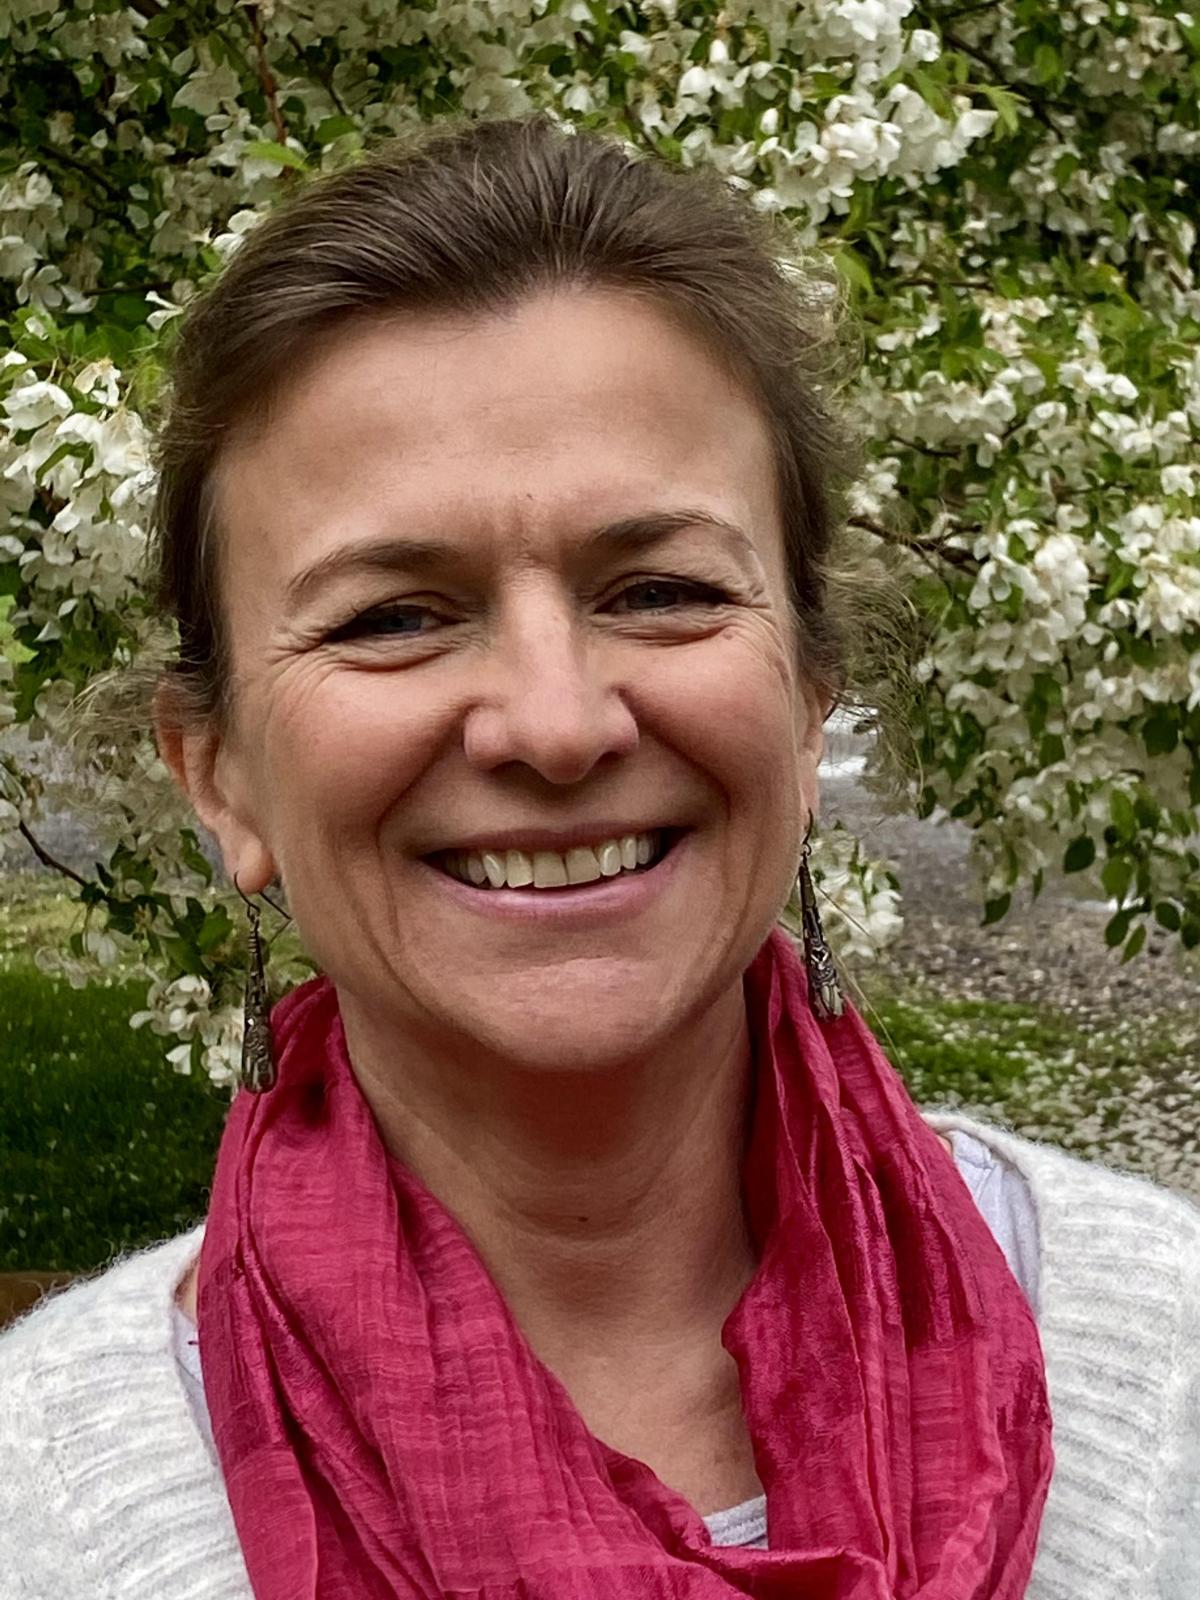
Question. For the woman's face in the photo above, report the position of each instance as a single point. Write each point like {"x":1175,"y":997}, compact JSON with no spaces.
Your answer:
{"x":485,"y":591}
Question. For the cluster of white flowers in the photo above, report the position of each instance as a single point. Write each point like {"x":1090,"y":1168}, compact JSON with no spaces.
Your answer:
{"x":856,"y":896}
{"x":86,"y":453}
{"x":182,"y":1009}
{"x":1006,"y":196}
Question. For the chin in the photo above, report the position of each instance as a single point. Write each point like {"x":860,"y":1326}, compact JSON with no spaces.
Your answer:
{"x":580,"y":1029}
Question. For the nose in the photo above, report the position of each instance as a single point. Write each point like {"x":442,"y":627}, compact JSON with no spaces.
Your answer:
{"x":547,"y":696}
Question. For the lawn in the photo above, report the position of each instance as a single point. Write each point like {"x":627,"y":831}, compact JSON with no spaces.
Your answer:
{"x":102,"y":1146}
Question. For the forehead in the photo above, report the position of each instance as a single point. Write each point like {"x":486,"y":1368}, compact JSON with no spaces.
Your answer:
{"x":510,"y":431}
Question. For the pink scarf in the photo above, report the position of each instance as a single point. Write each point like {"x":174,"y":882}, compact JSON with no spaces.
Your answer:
{"x":385,"y":1430}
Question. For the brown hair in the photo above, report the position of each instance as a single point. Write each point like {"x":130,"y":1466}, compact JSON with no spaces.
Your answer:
{"x":472,"y":217}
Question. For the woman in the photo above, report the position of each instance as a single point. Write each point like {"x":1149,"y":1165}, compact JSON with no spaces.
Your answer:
{"x":576,"y":1240}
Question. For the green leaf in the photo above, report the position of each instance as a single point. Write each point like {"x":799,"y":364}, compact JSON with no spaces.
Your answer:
{"x":1080,"y":854}
{"x":217,"y":927}
{"x":1047,"y":64}
{"x":1051,"y":750}
{"x":1120,"y":809}
{"x":1135,"y":943}
{"x":854,"y":269}
{"x":994,"y":910}
{"x":269,"y":150}
{"x":334,"y":128}
{"x":1166,"y":914}
{"x":1117,"y":876}
{"x":1117,"y":927}
{"x":189,"y":850}
{"x":932,"y":92}
{"x":1146,"y":809}
{"x":1006,"y":105}
{"x":1160,"y":732}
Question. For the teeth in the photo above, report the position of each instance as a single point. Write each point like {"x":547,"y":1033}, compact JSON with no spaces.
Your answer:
{"x":609,"y":858}
{"x":518,"y":868}
{"x":582,"y":866}
{"x":547,"y":869}
{"x":495,"y":868}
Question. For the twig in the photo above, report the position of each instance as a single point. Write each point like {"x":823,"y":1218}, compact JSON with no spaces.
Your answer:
{"x":922,"y":547}
{"x":926,"y":449}
{"x":86,"y":169}
{"x":48,"y":860}
{"x":1036,"y":101}
{"x":953,"y":14}
{"x":266,"y":78}
{"x":941,"y":283}
{"x":163,"y":286}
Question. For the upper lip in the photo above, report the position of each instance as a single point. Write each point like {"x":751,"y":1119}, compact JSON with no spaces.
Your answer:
{"x":558,"y":839}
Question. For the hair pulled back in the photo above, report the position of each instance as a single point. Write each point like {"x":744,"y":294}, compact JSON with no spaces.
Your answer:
{"x":474,"y":217}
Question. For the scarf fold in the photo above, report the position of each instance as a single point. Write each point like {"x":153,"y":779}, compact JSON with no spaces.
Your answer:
{"x":384,"y":1428}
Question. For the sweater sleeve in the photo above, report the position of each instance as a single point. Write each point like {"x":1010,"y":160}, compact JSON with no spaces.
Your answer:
{"x":107,"y":1489}
{"x":39,"y":1557}
{"x":1176,"y":1571}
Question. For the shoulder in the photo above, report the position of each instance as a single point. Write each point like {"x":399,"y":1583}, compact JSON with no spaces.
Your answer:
{"x":124,"y":1307}
{"x":87,"y":1390}
{"x":1116,"y":1251}
{"x":1119,"y":1320}
{"x":1090,"y":1205}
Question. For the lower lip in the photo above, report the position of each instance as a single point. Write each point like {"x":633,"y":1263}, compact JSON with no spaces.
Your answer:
{"x":581,"y":905}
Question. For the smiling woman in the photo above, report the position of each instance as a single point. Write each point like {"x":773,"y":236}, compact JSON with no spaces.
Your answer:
{"x":578,"y":1240}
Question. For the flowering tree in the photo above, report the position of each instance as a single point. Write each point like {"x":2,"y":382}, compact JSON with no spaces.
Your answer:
{"x":1004,"y":188}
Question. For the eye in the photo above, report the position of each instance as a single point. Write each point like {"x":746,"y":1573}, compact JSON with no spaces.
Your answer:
{"x":668,"y":593}
{"x":397,"y":621}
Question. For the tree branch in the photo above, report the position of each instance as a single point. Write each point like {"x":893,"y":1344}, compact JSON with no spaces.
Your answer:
{"x":85,"y":168}
{"x":941,"y":283}
{"x":926,"y":449}
{"x":954,"y":12}
{"x":1034,"y":100}
{"x":922,"y":547}
{"x":266,"y":78}
{"x":48,"y":860}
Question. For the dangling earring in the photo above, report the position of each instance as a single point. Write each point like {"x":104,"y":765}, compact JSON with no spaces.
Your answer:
{"x":824,"y":991}
{"x":259,"y":1070}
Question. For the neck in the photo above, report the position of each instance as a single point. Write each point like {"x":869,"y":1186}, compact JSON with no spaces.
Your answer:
{"x":607,"y":1205}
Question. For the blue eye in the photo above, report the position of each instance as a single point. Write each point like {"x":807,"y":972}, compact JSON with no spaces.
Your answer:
{"x":380,"y":620}
{"x":692,"y":593}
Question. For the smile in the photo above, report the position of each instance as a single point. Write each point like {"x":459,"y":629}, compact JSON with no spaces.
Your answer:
{"x":500,"y":869}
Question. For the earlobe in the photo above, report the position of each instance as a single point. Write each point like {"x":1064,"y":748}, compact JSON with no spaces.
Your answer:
{"x":194,"y":753}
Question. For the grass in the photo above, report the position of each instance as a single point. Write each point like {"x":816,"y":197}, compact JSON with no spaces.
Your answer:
{"x":103,"y":1147}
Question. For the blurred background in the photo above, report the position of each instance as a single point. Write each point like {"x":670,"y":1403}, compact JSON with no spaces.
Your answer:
{"x":999,"y":200}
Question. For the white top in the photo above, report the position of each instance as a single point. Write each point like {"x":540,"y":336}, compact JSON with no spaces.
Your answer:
{"x":108,"y":1489}
{"x":999,"y":1191}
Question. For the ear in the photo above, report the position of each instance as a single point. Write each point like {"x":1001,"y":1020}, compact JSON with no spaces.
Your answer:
{"x":210,"y":773}
{"x":812,"y":708}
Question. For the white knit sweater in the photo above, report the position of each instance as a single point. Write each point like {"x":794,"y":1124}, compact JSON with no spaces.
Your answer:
{"x":108,"y":1491}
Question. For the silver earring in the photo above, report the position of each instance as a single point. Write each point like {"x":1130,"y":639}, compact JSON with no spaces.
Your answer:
{"x":824,"y":991}
{"x":259,"y":1069}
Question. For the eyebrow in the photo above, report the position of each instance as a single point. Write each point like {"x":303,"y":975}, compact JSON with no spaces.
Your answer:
{"x":624,"y":537}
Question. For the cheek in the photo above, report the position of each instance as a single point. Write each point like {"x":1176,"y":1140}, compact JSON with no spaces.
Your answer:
{"x":729,"y":707}
{"x":343,"y":747}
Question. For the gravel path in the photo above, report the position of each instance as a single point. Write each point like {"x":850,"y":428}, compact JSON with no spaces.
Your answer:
{"x":1131,"y":1095}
